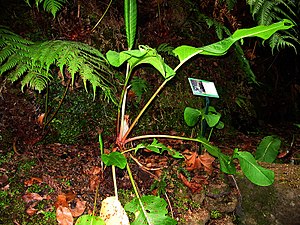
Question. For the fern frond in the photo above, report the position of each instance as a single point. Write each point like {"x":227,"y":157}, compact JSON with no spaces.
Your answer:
{"x":139,"y":87}
{"x":256,"y":6}
{"x":53,"y":6}
{"x":278,"y":41}
{"x":36,"y":80}
{"x":32,"y":62}
{"x":19,"y":71}
{"x":164,"y":47}
{"x":266,"y":12}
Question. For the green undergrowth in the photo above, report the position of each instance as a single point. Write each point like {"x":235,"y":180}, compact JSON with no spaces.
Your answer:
{"x":12,"y":205}
{"x":80,"y":117}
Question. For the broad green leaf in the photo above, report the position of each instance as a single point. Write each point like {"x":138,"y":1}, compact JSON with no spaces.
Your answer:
{"x":153,"y":149}
{"x":154,"y":213}
{"x":185,"y":52}
{"x":130,"y":8}
{"x":226,"y":164}
{"x":114,"y":158}
{"x":191,"y":116}
{"x":254,"y":172}
{"x":89,"y":220}
{"x":143,"y":55}
{"x":262,"y":31}
{"x":267,"y":150}
{"x":297,"y":125}
{"x":212,"y":119}
{"x":220,"y":48}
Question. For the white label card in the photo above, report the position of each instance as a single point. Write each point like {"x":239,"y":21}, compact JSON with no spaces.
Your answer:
{"x":203,"y":88}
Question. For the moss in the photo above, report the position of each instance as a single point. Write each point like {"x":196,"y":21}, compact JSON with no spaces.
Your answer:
{"x":257,"y":202}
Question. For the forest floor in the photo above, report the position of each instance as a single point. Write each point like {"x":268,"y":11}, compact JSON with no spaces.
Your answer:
{"x":35,"y":179}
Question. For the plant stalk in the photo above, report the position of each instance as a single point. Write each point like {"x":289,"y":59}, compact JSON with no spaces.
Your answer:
{"x":144,"y":108}
{"x":136,"y":192}
{"x":59,"y":105}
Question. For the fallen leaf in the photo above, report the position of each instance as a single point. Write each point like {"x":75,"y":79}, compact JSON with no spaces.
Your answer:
{"x":192,"y":161}
{"x":195,"y":187}
{"x":32,"y":180}
{"x":79,"y":208}
{"x":283,"y":154}
{"x":61,"y":200}
{"x":96,"y":170}
{"x":70,"y":196}
{"x":94,"y":182}
{"x":31,"y":211}
{"x":30,"y":197}
{"x":5,"y":188}
{"x":207,"y":160}
{"x":64,"y":216}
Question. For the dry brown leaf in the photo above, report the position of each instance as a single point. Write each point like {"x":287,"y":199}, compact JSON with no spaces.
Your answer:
{"x":192,"y":161}
{"x":64,"y":216}
{"x":207,"y":160}
{"x":31,"y":210}
{"x":96,"y":170}
{"x":61,"y":201}
{"x":195,"y":187}
{"x":70,"y":196}
{"x":30,"y":197}
{"x":32,"y":180}
{"x":79,"y":208}
{"x":5,"y":188}
{"x":94,"y":182}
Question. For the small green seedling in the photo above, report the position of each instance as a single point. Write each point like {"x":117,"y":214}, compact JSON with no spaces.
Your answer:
{"x":200,"y":117}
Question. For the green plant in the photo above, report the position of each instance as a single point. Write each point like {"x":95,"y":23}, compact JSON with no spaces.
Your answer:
{"x":33,"y":61}
{"x":36,"y":63}
{"x":203,"y":117}
{"x":146,"y":55}
{"x":215,"y":214}
{"x":266,"y":12}
{"x":52,"y":6}
{"x":267,"y":149}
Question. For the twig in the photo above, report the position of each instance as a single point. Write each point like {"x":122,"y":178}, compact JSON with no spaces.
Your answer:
{"x":144,"y":167}
{"x":169,"y":203}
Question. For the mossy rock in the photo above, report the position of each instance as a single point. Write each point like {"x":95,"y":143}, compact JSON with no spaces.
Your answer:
{"x":275,"y":204}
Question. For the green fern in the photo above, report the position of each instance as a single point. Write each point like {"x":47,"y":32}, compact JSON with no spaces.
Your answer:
{"x":52,"y":6}
{"x":266,"y":12}
{"x":33,"y":63}
{"x":164,"y":47}
{"x":139,"y":87}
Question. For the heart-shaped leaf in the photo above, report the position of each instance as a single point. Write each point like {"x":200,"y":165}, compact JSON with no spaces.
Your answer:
{"x":114,"y":158}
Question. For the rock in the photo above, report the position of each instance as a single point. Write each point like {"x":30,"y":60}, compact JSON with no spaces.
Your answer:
{"x":278,"y":204}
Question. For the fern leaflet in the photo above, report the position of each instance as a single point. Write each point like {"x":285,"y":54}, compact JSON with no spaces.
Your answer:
{"x":34,"y":63}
